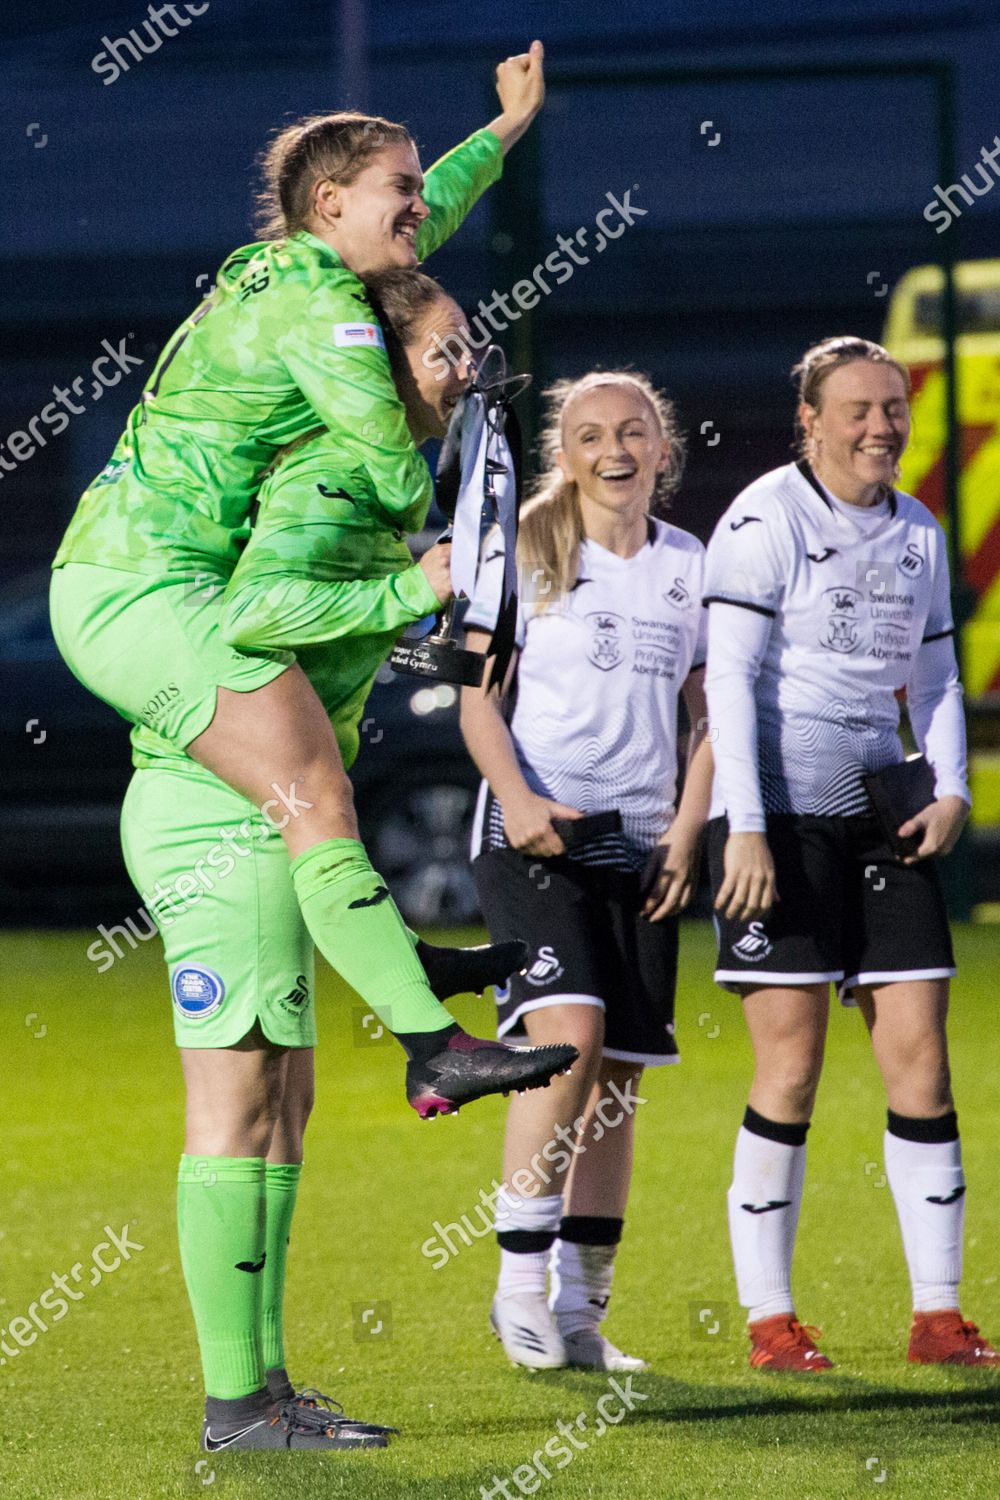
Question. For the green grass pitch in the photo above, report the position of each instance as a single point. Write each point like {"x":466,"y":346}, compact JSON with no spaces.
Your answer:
{"x":106,"y":1402}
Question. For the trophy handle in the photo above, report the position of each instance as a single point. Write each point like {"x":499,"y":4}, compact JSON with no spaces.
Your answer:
{"x":444,"y":628}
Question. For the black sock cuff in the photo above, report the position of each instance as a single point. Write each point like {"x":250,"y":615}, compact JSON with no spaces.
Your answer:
{"x":774,"y":1130}
{"x":927,"y":1132}
{"x":279,"y":1387}
{"x":590,"y":1229}
{"x":526,"y":1241}
{"x":218,"y":1410}
{"x":421,"y":1046}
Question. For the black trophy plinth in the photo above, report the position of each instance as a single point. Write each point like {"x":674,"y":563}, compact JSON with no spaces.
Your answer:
{"x":439,"y":656}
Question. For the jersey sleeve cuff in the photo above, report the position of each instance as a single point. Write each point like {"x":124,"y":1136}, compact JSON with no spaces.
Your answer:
{"x":749,"y":822}
{"x":952,"y":786}
{"x":938,"y":635}
{"x":413,"y":590}
{"x":758,"y":609}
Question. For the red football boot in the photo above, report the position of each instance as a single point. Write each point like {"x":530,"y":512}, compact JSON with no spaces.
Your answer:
{"x":783,"y":1343}
{"x":942,"y":1338}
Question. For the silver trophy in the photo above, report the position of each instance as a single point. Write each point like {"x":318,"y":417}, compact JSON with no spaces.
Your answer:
{"x":478,"y":469}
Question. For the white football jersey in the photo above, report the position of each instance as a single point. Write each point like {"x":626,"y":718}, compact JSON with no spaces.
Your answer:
{"x":851,"y":600}
{"x":594,"y":722}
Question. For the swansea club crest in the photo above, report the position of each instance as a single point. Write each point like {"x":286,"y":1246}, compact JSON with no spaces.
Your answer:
{"x":842,"y":630}
{"x":605,"y":648}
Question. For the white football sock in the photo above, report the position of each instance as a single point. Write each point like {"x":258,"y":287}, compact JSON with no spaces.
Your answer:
{"x":929,"y":1190}
{"x":581,"y":1284}
{"x":525,"y":1271}
{"x":765,"y":1172}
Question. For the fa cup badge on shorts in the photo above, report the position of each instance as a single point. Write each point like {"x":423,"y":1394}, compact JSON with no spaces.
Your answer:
{"x":479,"y":470}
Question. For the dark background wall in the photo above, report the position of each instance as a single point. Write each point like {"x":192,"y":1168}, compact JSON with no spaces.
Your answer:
{"x":787,"y":230}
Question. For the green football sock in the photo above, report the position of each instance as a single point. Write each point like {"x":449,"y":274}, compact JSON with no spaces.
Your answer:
{"x":221,"y":1228}
{"x":354,"y":923}
{"x":282,"y":1184}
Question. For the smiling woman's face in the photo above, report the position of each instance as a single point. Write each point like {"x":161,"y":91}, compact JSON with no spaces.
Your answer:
{"x":612,"y":447}
{"x":371,"y":222}
{"x":860,"y":428}
{"x":429,"y":400}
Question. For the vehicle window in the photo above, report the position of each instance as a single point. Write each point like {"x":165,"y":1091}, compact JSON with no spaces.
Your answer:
{"x":978,"y":311}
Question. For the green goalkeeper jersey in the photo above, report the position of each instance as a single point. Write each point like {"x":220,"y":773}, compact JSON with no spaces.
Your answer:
{"x":287,"y":341}
{"x":328,"y":575}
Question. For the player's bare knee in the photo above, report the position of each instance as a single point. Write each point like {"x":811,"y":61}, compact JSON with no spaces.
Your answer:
{"x":324,"y":793}
{"x":231,"y":1133}
{"x":919,"y":1104}
{"x":919,"y":1085}
{"x":296,"y":1100}
{"x":623,"y":1074}
{"x":261,"y":1115}
{"x":921,"y":1059}
{"x":590,"y":1045}
{"x":791,"y":1083}
{"x":259,"y":1139}
{"x":296,"y":1111}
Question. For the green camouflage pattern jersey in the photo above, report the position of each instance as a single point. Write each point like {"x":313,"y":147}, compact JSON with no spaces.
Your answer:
{"x":287,"y":341}
{"x":328,"y":562}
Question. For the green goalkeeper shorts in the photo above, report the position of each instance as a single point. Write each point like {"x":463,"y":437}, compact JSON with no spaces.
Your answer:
{"x":151,"y":646}
{"x":214,"y":874}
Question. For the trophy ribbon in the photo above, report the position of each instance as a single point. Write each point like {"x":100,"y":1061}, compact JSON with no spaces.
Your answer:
{"x":479,"y":470}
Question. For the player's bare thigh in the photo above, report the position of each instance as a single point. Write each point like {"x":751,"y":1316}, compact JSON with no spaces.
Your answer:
{"x":787,"y":1028}
{"x":276,"y":739}
{"x":600,"y":1176}
{"x":533,"y":1116}
{"x":907,"y":1023}
{"x":233,"y":1096}
{"x":296,"y":1106}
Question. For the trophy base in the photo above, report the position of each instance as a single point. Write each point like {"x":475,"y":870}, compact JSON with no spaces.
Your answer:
{"x":440,"y":660}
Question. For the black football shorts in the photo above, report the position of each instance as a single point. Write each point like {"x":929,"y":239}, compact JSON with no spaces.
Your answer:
{"x":589,"y":946}
{"x":849,"y":913}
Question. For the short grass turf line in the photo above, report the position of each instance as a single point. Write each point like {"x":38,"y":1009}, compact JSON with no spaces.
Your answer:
{"x":106,"y":1403}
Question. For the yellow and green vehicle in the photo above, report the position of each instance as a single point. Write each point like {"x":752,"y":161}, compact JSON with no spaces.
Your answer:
{"x":913,"y":335}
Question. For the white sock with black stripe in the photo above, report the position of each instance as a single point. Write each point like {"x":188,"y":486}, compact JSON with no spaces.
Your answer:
{"x":583,"y":1267}
{"x":764,"y":1200}
{"x":923,"y":1162}
{"x":526,"y":1229}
